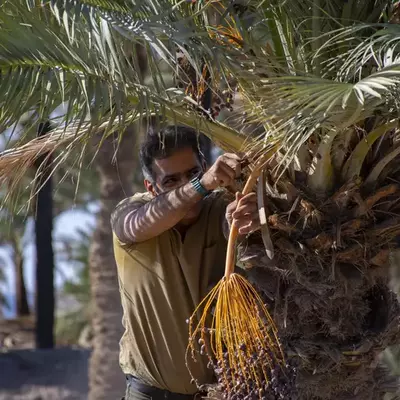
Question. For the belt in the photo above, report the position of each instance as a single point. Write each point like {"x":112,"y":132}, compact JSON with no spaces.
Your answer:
{"x":156,"y":393}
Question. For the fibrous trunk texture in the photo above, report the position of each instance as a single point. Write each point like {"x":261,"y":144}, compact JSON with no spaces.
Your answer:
{"x":106,"y":380}
{"x":327,"y":286}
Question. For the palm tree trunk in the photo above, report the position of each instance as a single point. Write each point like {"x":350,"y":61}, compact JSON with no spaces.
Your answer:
{"x":45,"y":302}
{"x":106,"y":380}
{"x":20,"y":288}
{"x":22,"y":305}
{"x":116,"y":166}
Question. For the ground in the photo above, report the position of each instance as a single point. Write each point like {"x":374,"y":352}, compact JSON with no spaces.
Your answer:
{"x":26,"y":374}
{"x":44,"y":374}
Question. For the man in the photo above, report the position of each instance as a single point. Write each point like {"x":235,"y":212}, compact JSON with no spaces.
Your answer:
{"x":170,"y":246}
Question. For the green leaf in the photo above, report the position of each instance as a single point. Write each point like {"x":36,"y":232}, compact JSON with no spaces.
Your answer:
{"x":354,"y":164}
{"x":373,"y":177}
{"x":321,"y":176}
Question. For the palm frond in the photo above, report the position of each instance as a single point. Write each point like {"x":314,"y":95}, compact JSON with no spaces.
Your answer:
{"x":82,"y":52}
{"x":43,"y":65}
{"x":292,"y":108}
{"x":354,"y":163}
{"x":46,"y":60}
{"x":63,"y":142}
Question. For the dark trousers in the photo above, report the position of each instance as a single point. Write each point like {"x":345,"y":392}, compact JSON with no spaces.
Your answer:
{"x":136,"y":390}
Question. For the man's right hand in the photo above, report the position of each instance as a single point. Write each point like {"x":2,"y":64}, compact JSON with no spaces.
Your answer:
{"x":223,"y":172}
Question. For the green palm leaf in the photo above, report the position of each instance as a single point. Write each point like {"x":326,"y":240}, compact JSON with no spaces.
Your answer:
{"x":82,"y":53}
{"x":91,"y":67}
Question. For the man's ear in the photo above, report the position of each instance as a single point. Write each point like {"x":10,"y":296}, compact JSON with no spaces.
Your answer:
{"x":150,"y":187}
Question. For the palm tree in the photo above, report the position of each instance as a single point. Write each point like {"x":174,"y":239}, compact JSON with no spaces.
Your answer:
{"x":13,"y":237}
{"x":4,"y":304}
{"x":315,"y":81}
{"x":115,"y":172}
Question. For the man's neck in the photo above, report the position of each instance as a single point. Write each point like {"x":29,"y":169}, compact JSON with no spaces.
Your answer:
{"x":183,"y":226}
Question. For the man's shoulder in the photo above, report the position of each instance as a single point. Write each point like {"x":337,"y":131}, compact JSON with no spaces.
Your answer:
{"x":124,"y":207}
{"x":139,"y":197}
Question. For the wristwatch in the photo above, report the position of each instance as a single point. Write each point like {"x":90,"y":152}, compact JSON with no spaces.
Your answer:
{"x":199,"y":187}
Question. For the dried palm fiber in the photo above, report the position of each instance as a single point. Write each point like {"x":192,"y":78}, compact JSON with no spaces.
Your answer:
{"x":240,"y":325}
{"x":328,"y":282}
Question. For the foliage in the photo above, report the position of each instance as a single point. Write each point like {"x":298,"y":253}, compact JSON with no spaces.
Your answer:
{"x":75,"y":250}
{"x":75,"y":187}
{"x":288,"y":73}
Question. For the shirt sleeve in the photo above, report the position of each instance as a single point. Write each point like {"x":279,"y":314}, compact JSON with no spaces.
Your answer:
{"x":122,"y":210}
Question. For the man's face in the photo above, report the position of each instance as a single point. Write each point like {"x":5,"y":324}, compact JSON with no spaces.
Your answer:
{"x":175,"y":171}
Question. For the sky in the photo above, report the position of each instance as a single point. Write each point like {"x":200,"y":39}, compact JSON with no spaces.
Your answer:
{"x":66,"y":223}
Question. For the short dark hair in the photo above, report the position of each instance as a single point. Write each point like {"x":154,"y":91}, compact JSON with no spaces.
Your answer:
{"x":162,"y":143}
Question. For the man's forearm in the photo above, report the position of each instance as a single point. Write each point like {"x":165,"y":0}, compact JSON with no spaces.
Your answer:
{"x":160,"y":214}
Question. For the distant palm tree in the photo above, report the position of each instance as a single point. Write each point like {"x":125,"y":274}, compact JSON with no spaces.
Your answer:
{"x":13,"y":236}
{"x":43,"y":215}
{"x":3,"y":299}
{"x":75,"y":251}
{"x":315,"y":81}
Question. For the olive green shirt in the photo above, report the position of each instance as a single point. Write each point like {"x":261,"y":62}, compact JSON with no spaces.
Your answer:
{"x":161,"y":281}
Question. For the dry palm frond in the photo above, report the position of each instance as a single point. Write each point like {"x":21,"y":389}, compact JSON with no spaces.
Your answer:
{"x":15,"y":162}
{"x":64,"y":141}
{"x":241,"y":324}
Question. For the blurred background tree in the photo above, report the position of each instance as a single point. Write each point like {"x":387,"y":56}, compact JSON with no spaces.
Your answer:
{"x":74,"y":321}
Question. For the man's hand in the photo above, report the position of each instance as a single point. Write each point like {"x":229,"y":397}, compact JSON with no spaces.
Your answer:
{"x":243,"y":212}
{"x":223,"y":173}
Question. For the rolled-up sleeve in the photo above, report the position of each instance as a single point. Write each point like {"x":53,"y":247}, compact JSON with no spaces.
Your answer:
{"x":121,"y":215}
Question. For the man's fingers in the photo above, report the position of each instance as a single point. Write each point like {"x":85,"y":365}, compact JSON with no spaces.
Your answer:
{"x":224,"y":175}
{"x":246,"y":219}
{"x":250,"y":227}
{"x":245,"y":230}
{"x":235,"y":166}
{"x":249,"y":198}
{"x":225,"y":169}
{"x":249,"y":208}
{"x":231,"y":208}
{"x":241,"y":158}
{"x":233,"y":161}
{"x":222,"y":179}
{"x":232,"y":156}
{"x":244,"y":214}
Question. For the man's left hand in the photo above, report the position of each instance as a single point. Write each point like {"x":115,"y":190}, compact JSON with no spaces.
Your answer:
{"x":243,"y":212}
